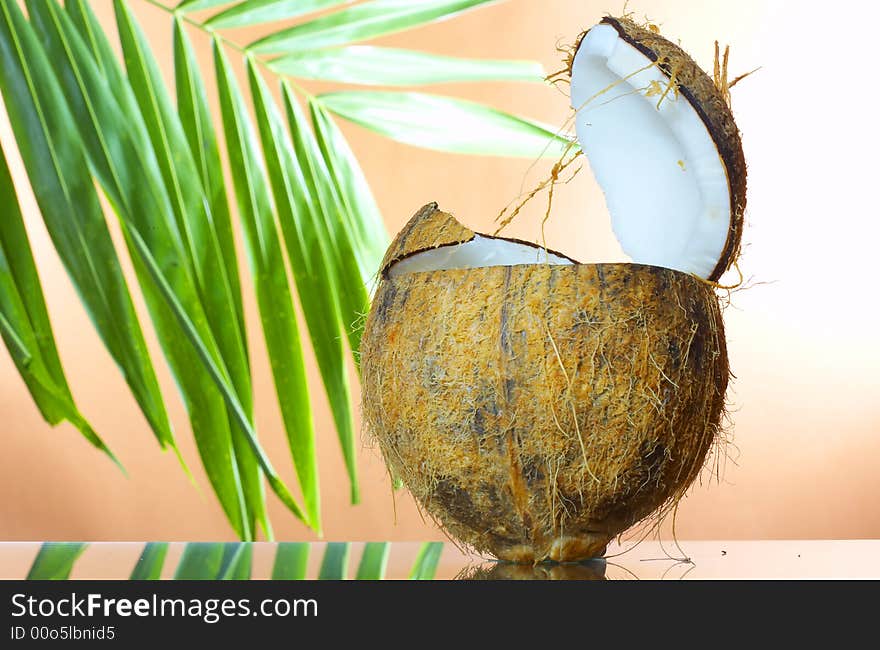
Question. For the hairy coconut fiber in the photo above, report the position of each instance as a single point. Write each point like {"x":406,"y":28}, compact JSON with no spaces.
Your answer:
{"x":710,"y":103}
{"x":537,"y":411}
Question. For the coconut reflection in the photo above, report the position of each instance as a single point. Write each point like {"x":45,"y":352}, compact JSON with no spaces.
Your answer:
{"x":589,"y":570}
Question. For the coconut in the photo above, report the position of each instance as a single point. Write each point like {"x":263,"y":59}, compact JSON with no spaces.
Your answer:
{"x":537,"y":407}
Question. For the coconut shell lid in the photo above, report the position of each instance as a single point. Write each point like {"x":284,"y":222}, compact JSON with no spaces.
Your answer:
{"x":710,"y":104}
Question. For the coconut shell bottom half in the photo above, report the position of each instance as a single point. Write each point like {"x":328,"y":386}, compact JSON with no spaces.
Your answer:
{"x":537,"y":411}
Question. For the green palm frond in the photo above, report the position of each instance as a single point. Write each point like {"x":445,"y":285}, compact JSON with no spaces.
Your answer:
{"x":53,"y":155}
{"x":24,"y":320}
{"x":385,"y":66}
{"x":362,"y":21}
{"x":89,"y":123}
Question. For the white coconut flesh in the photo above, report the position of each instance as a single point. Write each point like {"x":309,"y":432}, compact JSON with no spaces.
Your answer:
{"x":478,"y":252}
{"x":665,"y":184}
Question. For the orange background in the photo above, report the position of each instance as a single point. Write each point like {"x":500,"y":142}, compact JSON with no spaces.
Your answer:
{"x":803,"y":339}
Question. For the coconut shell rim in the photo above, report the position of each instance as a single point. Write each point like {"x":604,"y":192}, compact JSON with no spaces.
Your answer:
{"x":387,"y":268}
{"x":634,"y":265}
{"x":474,"y":234}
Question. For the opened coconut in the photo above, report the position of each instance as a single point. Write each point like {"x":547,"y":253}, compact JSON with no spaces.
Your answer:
{"x":535,"y":406}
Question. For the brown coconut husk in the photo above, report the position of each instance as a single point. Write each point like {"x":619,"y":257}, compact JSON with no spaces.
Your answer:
{"x":538,"y":411}
{"x":711,"y":102}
